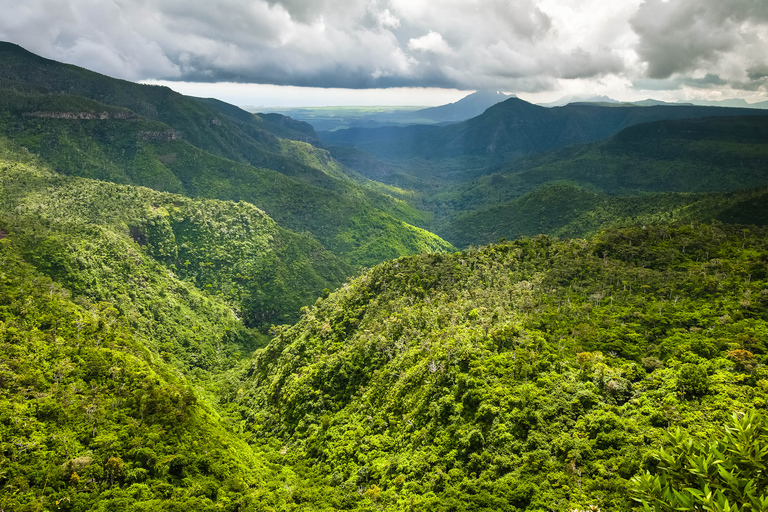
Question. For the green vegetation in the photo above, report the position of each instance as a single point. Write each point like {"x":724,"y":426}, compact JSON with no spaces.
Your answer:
{"x":88,"y":125}
{"x":726,"y":473}
{"x":532,"y":375}
{"x":231,"y":250}
{"x":647,"y":173}
{"x":89,"y":416}
{"x":571,"y":211}
{"x":103,"y":352}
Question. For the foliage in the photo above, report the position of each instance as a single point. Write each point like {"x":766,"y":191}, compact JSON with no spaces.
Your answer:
{"x":91,"y":418}
{"x":723,"y":473}
{"x":571,"y":211}
{"x":231,"y":250}
{"x":645,"y":173}
{"x":89,"y":125}
{"x":531,"y":375}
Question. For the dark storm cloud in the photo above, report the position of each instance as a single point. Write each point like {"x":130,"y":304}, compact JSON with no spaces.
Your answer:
{"x":691,"y":37}
{"x":709,"y":81}
{"x":514,"y":45}
{"x":510,"y":44}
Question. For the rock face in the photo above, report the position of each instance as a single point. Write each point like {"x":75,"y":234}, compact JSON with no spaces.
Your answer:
{"x":161,"y":136}
{"x":80,"y":115}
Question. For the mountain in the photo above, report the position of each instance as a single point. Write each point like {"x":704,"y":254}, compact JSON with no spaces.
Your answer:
{"x":89,"y":125}
{"x":708,"y":155}
{"x":515,"y":128}
{"x":466,"y":108}
{"x":650,"y":102}
{"x":131,"y":380}
{"x":733,"y":102}
{"x":265,"y":273}
{"x":565,"y":100}
{"x":119,"y":308}
{"x":530,"y":375}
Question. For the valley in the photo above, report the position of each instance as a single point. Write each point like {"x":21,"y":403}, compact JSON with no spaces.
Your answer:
{"x":205,"y":308}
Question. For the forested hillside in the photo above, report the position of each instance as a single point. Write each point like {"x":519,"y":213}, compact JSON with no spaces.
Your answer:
{"x":532,"y":375}
{"x":231,"y":250}
{"x":90,"y":125}
{"x":567,"y":210}
{"x":119,"y":306}
{"x":667,"y":170}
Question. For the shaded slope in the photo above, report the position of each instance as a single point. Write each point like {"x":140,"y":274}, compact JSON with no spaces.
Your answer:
{"x":570,"y":211}
{"x":704,"y":155}
{"x":213,"y":126}
{"x":514,"y":128}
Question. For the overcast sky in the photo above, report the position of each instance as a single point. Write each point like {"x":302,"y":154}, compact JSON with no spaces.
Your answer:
{"x":424,"y":51}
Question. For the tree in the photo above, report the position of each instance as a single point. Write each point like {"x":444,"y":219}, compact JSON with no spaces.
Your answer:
{"x":724,"y":474}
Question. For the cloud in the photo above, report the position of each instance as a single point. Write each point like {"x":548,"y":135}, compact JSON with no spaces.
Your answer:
{"x":511,"y":45}
{"x":432,"y":42}
{"x":684,"y":38}
{"x":708,"y":81}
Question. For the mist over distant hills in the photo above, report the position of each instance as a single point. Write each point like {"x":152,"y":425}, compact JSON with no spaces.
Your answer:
{"x":733,"y":102}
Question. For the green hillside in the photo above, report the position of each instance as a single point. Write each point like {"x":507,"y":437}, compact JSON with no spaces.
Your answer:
{"x":89,"y":125}
{"x":645,"y":173}
{"x":111,"y":349}
{"x":90,"y":418}
{"x":694,"y":155}
{"x":533,"y":375}
{"x":231,"y":250}
{"x":571,"y":211}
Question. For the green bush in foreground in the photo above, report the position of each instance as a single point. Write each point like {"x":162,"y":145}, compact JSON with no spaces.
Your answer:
{"x":722,"y":474}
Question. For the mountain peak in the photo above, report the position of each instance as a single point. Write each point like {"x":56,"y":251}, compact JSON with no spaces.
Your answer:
{"x":467,"y":107}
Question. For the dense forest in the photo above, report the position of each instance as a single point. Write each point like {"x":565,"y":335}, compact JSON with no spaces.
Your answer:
{"x":205,"y":309}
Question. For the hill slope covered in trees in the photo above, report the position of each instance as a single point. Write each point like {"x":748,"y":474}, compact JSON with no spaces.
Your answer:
{"x":643,"y":174}
{"x":118,"y":311}
{"x":532,"y":375}
{"x":89,"y":125}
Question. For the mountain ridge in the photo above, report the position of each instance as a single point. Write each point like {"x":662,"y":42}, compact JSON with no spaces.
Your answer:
{"x":203,"y":147}
{"x":514,"y":128}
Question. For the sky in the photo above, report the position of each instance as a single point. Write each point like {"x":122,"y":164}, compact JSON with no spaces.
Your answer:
{"x":408,"y":52}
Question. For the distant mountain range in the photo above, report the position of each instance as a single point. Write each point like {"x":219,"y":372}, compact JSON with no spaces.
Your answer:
{"x":514,"y":128}
{"x":673,"y":169}
{"x":733,"y":102}
{"x":565,"y":100}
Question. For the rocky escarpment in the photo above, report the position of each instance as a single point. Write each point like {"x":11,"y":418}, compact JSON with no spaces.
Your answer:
{"x":164,"y":135}
{"x":80,"y":115}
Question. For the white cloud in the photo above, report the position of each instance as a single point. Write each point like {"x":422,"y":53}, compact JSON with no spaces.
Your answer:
{"x":432,"y":42}
{"x":511,"y":45}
